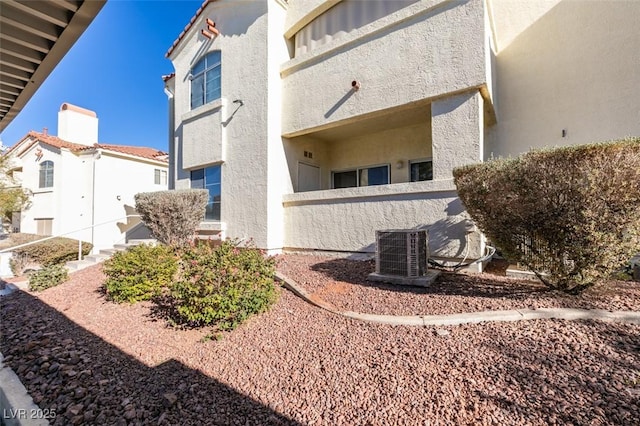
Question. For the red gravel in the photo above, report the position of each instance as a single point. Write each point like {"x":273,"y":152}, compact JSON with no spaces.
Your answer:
{"x":94,"y":362}
{"x":344,"y":284}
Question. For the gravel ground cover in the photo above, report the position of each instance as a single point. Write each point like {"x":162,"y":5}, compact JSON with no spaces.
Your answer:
{"x":94,"y":362}
{"x":343,"y":283}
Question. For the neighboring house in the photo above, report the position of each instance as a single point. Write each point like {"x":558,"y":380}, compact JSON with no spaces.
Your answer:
{"x":79,"y":183}
{"x":315,"y":123}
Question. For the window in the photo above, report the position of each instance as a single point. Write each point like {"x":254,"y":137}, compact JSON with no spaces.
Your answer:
{"x":209,"y":179}
{"x":205,"y":80}
{"x":44,"y":226}
{"x":46,"y":174}
{"x":378,"y":175}
{"x":421,"y":170}
{"x":160,"y":177}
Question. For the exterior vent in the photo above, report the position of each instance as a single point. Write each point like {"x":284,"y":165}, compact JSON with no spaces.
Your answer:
{"x":401,"y":257}
{"x":402,"y":253}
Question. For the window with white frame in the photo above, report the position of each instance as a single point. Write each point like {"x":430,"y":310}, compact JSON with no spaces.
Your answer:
{"x":205,"y":80}
{"x":46,"y":174}
{"x":420,"y":170}
{"x":44,"y":227}
{"x":211,"y":180}
{"x":364,"y":176}
{"x":160,"y":177}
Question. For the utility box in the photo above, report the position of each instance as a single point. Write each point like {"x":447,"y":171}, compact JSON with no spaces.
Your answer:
{"x":402,"y":257}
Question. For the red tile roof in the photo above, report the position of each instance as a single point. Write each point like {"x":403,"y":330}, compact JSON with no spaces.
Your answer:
{"x":188,"y":27}
{"x":168,"y":77}
{"x":136,"y":151}
{"x":47,"y":139}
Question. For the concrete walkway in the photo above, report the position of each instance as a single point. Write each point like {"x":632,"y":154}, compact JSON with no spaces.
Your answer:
{"x":466,"y":318}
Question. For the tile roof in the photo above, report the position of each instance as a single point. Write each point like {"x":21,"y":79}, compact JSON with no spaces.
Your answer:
{"x":47,"y":139}
{"x":188,"y":27}
{"x":136,"y":151}
{"x":168,"y":77}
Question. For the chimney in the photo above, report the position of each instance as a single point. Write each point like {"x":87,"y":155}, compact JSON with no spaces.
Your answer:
{"x":45,"y":131}
{"x":77,"y":125}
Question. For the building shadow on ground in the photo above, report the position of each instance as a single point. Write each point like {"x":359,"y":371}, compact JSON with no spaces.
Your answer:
{"x":356,"y":272}
{"x":83,"y":379}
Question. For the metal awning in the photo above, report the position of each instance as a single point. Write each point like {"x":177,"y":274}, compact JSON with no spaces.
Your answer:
{"x":34,"y":36}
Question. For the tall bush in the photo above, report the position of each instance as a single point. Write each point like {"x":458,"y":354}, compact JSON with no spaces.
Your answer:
{"x":224,"y":285}
{"x":172,"y":216}
{"x":570,"y":214}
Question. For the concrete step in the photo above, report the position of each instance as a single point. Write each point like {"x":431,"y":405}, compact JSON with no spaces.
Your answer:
{"x":104,"y":254}
{"x":149,"y":241}
{"x":76,"y":265}
{"x":97,"y":258}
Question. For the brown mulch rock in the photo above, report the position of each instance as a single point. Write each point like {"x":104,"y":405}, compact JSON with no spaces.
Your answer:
{"x":95,"y":362}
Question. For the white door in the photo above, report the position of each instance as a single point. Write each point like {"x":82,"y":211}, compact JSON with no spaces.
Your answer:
{"x":308,"y":177}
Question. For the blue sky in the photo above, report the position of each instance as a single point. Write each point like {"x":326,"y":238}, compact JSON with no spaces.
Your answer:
{"x":114,"y":69}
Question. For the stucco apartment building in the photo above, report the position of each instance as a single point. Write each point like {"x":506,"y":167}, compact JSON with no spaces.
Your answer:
{"x":315,"y":123}
{"x":79,"y":187}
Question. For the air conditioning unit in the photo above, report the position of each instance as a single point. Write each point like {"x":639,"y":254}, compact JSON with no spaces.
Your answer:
{"x":402,"y":257}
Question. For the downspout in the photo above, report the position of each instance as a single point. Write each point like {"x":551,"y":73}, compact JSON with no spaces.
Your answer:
{"x":172,"y":147}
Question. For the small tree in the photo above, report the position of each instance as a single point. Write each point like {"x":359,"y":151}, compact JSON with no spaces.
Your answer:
{"x":172,"y":216}
{"x":13,"y":198}
{"x":570,"y":214}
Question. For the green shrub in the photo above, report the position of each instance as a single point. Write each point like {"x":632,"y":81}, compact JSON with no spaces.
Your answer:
{"x":52,"y":252}
{"x":572,"y":213}
{"x":172,"y":216}
{"x":140,"y":273}
{"x":223,"y":285}
{"x":47,"y":277}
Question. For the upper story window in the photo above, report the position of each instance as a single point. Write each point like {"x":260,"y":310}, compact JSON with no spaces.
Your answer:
{"x":46,"y":174}
{"x":205,"y":80}
{"x":160,"y":177}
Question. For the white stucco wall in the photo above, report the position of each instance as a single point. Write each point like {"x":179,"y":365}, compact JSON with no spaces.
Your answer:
{"x":427,"y":50}
{"x":574,"y":67}
{"x":75,"y":202}
{"x":246,"y":137}
{"x":117,"y":180}
{"x":77,"y":125}
{"x":279,"y":179}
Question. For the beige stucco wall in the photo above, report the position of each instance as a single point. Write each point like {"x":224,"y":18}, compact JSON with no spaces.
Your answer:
{"x":346,"y":219}
{"x":426,"y":50}
{"x":573,"y":66}
{"x":389,"y":146}
{"x":249,"y":146}
{"x":301,"y":12}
